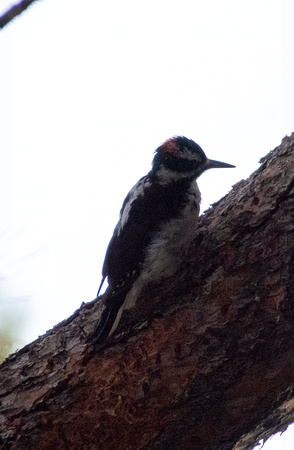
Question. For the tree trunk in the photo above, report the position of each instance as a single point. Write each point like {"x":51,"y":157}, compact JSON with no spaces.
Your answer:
{"x":204,"y":362}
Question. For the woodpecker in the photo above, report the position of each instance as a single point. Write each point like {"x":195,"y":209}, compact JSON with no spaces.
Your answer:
{"x":157,"y":223}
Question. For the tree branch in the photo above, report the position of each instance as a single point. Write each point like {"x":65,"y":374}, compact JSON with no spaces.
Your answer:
{"x":204,"y":362}
{"x":14,"y":11}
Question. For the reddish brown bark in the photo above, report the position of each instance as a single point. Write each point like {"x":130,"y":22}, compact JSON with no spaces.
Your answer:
{"x":207,"y":358}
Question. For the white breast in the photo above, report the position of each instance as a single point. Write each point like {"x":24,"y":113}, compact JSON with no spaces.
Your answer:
{"x":169,"y":248}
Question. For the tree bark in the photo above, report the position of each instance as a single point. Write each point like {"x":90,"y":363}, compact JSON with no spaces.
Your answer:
{"x":206,"y":361}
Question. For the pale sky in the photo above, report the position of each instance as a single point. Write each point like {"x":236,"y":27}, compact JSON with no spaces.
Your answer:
{"x":87,"y":93}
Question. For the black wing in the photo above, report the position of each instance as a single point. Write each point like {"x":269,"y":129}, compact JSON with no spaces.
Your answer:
{"x":145,"y":208}
{"x":131,"y":236}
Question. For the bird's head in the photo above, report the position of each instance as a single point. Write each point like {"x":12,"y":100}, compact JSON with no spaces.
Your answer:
{"x":181,"y":158}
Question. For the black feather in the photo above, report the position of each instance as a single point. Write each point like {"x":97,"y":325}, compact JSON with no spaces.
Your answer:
{"x":101,"y":284}
{"x":127,"y":249}
{"x":103,"y":328}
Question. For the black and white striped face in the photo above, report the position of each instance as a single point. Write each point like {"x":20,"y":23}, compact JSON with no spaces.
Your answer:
{"x":179,"y":158}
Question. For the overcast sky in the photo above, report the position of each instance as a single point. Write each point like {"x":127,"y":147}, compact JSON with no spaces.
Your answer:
{"x":88,"y":91}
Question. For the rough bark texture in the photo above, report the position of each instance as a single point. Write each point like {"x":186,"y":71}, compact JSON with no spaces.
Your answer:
{"x":208,"y":358}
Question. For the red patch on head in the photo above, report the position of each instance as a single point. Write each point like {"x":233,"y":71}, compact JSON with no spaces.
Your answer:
{"x":170,"y":146}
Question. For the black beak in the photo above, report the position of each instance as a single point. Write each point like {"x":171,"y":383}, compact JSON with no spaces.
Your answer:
{"x":211,"y":164}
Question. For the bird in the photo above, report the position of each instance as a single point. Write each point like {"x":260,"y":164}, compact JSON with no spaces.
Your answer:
{"x":157,"y":223}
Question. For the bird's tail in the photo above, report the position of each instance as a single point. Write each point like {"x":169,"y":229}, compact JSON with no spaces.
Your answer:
{"x":109,"y":319}
{"x":101,"y":284}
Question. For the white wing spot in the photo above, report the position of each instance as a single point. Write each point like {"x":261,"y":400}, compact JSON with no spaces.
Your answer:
{"x":136,"y":191}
